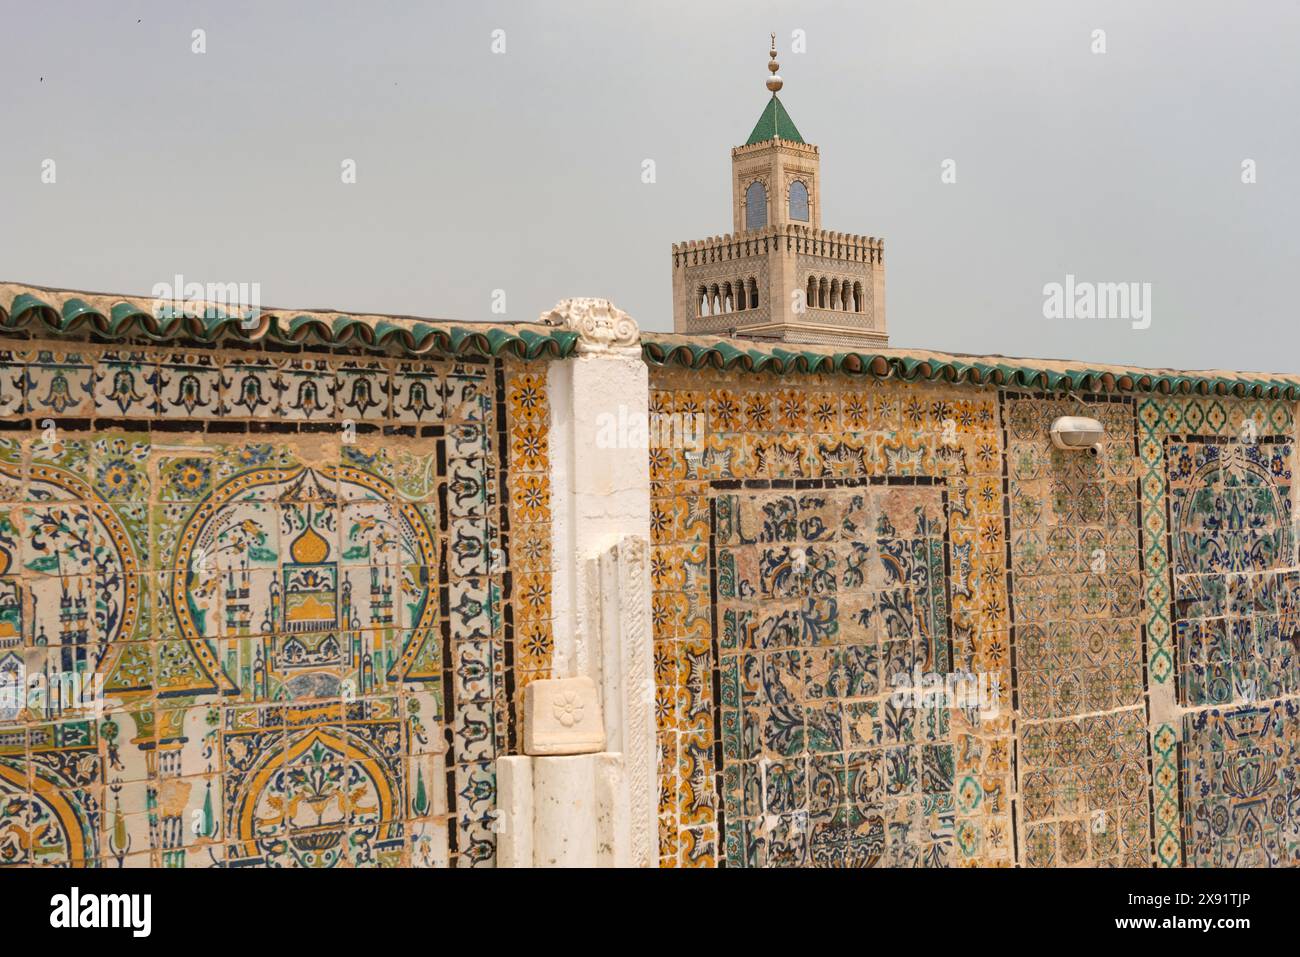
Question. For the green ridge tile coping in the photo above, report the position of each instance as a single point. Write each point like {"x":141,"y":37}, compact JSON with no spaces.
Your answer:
{"x":30,"y":314}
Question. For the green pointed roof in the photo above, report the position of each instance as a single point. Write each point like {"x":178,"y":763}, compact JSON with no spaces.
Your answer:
{"x":775,"y":122}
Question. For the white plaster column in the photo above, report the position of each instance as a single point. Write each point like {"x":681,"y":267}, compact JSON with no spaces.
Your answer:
{"x":597,"y":809}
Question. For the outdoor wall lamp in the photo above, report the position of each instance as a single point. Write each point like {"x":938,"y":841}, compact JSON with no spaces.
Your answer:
{"x":1077,"y":432}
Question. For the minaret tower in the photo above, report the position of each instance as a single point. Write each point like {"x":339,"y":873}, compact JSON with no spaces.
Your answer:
{"x":779,"y":275}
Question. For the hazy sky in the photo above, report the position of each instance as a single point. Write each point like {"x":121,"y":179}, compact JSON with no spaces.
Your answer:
{"x":521,"y":171}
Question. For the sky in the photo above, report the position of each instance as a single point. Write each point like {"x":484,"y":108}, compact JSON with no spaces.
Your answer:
{"x":499,"y":150}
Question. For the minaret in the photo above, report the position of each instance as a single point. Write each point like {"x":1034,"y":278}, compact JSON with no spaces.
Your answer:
{"x":774,"y":159}
{"x":779,"y":275}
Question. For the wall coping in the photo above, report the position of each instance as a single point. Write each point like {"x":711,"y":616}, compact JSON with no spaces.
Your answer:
{"x":28,"y":311}
{"x":698,"y":352}
{"x":36,"y":312}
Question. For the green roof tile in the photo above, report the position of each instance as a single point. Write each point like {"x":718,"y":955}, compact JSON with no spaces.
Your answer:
{"x":34,"y":312}
{"x":65,"y":314}
{"x":775,"y":122}
{"x":698,"y":352}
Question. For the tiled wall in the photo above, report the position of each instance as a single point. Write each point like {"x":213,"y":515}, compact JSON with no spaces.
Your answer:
{"x":529,"y":616}
{"x":1076,"y":601}
{"x":1223,"y":627}
{"x":289,"y":578}
{"x":309,"y":588}
{"x":1140,"y":612}
{"x":829,"y":534}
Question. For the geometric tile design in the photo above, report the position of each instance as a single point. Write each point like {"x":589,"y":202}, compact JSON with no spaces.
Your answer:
{"x":1084,"y":792}
{"x":1164,"y":781}
{"x":1077,"y":620}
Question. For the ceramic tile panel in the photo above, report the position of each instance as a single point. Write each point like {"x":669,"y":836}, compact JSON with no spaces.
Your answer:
{"x":1158,"y":578}
{"x":1084,"y":791}
{"x":189,"y":386}
{"x":58,"y":383}
{"x":13,"y":383}
{"x":1236,"y":590}
{"x":1077,"y":631}
{"x":892,"y":625}
{"x":824,"y":602}
{"x":1240,"y":786}
{"x":823,"y":554}
{"x":1181,"y":606}
{"x":296,"y":643}
{"x":526,"y":436}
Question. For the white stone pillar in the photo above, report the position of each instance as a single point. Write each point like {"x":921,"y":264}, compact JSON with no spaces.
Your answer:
{"x":597,"y":808}
{"x":563,"y":811}
{"x":514,"y":811}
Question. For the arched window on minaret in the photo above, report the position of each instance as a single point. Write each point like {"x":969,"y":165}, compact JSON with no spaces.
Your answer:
{"x":799,"y":202}
{"x":742,"y":301}
{"x":755,"y":206}
{"x":857,"y":297}
{"x":811,"y":301}
{"x":715,"y":301}
{"x":702,"y":301}
{"x":753,"y":293}
{"x":823,"y":288}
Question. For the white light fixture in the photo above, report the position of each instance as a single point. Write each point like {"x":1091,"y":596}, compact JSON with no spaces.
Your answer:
{"x":1077,"y":433}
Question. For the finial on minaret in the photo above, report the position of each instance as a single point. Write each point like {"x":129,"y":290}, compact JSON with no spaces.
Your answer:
{"x":774,"y":81}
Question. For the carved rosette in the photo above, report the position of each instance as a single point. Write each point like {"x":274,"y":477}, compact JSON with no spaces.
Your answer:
{"x":602,"y":328}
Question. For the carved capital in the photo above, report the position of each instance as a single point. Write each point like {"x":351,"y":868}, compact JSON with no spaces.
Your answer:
{"x":602,"y":328}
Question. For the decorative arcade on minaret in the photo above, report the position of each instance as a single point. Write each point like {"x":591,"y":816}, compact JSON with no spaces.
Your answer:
{"x":779,"y":275}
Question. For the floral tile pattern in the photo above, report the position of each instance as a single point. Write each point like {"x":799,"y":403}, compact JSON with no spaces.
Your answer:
{"x":299,"y":643}
{"x":814,"y":550}
{"x":1239,"y":773}
{"x":1187,"y":423}
{"x":529,"y":492}
{"x":823,"y":600}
